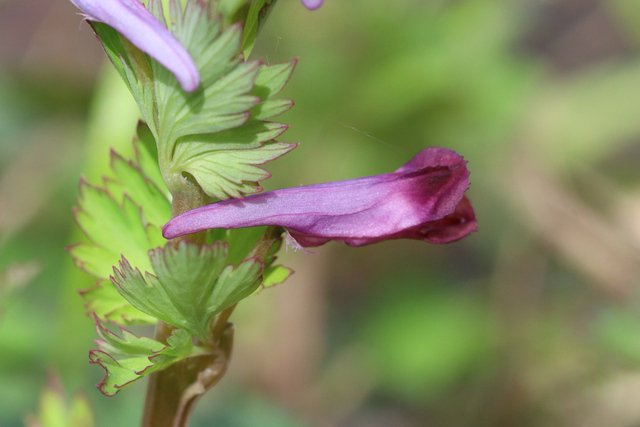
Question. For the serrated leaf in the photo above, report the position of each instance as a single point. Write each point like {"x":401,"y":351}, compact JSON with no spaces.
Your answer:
{"x":132,"y":183}
{"x":274,"y":275}
{"x":231,"y":92}
{"x":193,"y":128}
{"x":147,"y":157}
{"x":113,"y":229}
{"x":129,"y":345}
{"x":139,"y":79}
{"x":252,"y":135}
{"x":112,"y":45}
{"x":240,"y":241}
{"x":215,"y":54}
{"x":271,"y":108}
{"x":258,"y":12}
{"x":119,"y":374}
{"x":104,"y":301}
{"x":272,"y":78}
{"x":148,"y":356}
{"x":223,"y":162}
{"x":233,"y":173}
{"x":190,"y":285}
{"x":223,"y":105}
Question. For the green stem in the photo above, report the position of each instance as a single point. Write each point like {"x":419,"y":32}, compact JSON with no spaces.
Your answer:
{"x":172,"y":392}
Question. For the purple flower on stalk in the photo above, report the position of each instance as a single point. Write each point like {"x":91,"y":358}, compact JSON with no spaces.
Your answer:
{"x":131,"y":19}
{"x":423,"y":200}
{"x":312,"y":4}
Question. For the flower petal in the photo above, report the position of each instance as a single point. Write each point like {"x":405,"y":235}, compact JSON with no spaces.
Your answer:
{"x":422,"y":200}
{"x":131,"y":19}
{"x":312,"y":4}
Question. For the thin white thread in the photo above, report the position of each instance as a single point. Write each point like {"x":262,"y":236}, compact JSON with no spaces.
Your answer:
{"x":327,"y":119}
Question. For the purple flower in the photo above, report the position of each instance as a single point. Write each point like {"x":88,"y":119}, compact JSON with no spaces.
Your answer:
{"x":138,"y":25}
{"x":423,"y":200}
{"x":312,"y":4}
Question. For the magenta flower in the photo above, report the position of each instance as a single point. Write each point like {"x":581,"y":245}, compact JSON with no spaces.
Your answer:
{"x":423,"y":200}
{"x":312,"y":4}
{"x":140,"y":27}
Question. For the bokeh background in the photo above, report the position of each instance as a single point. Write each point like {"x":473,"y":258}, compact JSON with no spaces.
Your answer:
{"x":532,"y":321}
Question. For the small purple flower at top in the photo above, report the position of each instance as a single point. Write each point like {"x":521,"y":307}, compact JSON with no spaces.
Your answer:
{"x":131,"y":19}
{"x":312,"y":4}
{"x":423,"y":200}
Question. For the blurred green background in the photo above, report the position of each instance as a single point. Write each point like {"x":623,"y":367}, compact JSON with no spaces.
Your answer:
{"x":532,"y":321}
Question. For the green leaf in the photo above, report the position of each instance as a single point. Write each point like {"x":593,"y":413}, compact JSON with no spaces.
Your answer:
{"x":147,"y":157}
{"x":222,"y":169}
{"x":190,"y":285}
{"x":55,"y":411}
{"x":104,"y":301}
{"x":274,"y":275}
{"x":241,"y":241}
{"x":232,"y":94}
{"x":271,"y":108}
{"x":258,"y":13}
{"x":273,"y":78}
{"x":112,"y":45}
{"x":193,"y":129}
{"x":132,"y":183}
{"x":230,"y":9}
{"x":113,"y":230}
{"x":111,"y":219}
{"x":270,"y":81}
{"x":142,"y":356}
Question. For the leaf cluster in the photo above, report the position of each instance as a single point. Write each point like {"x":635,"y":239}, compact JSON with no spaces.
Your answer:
{"x":113,"y":220}
{"x":218,"y":136}
{"x":182,"y":284}
{"x":220,"y":133}
{"x":138,"y":356}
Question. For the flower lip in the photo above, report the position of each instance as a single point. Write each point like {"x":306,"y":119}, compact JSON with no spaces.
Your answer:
{"x":423,"y":199}
{"x":131,"y":19}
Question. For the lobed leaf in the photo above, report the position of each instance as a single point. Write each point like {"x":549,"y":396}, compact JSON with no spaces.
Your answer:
{"x":233,"y":94}
{"x":146,"y":153}
{"x":112,"y":45}
{"x":110,"y":227}
{"x":112,"y":221}
{"x":132,"y":183}
{"x":274,"y":275}
{"x":258,"y":11}
{"x":142,"y":356}
{"x":104,"y":301}
{"x":190,"y":285}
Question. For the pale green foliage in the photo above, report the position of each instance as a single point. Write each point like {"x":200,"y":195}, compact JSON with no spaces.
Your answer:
{"x":258,"y":11}
{"x":115,"y":225}
{"x":111,"y":227}
{"x":55,"y":411}
{"x":275,"y":275}
{"x":141,"y":356}
{"x":217,"y":135}
{"x":224,"y":113}
{"x":190,"y":285}
{"x":241,"y":241}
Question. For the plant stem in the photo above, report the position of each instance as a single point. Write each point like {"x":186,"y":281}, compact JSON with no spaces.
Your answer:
{"x":172,"y":392}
